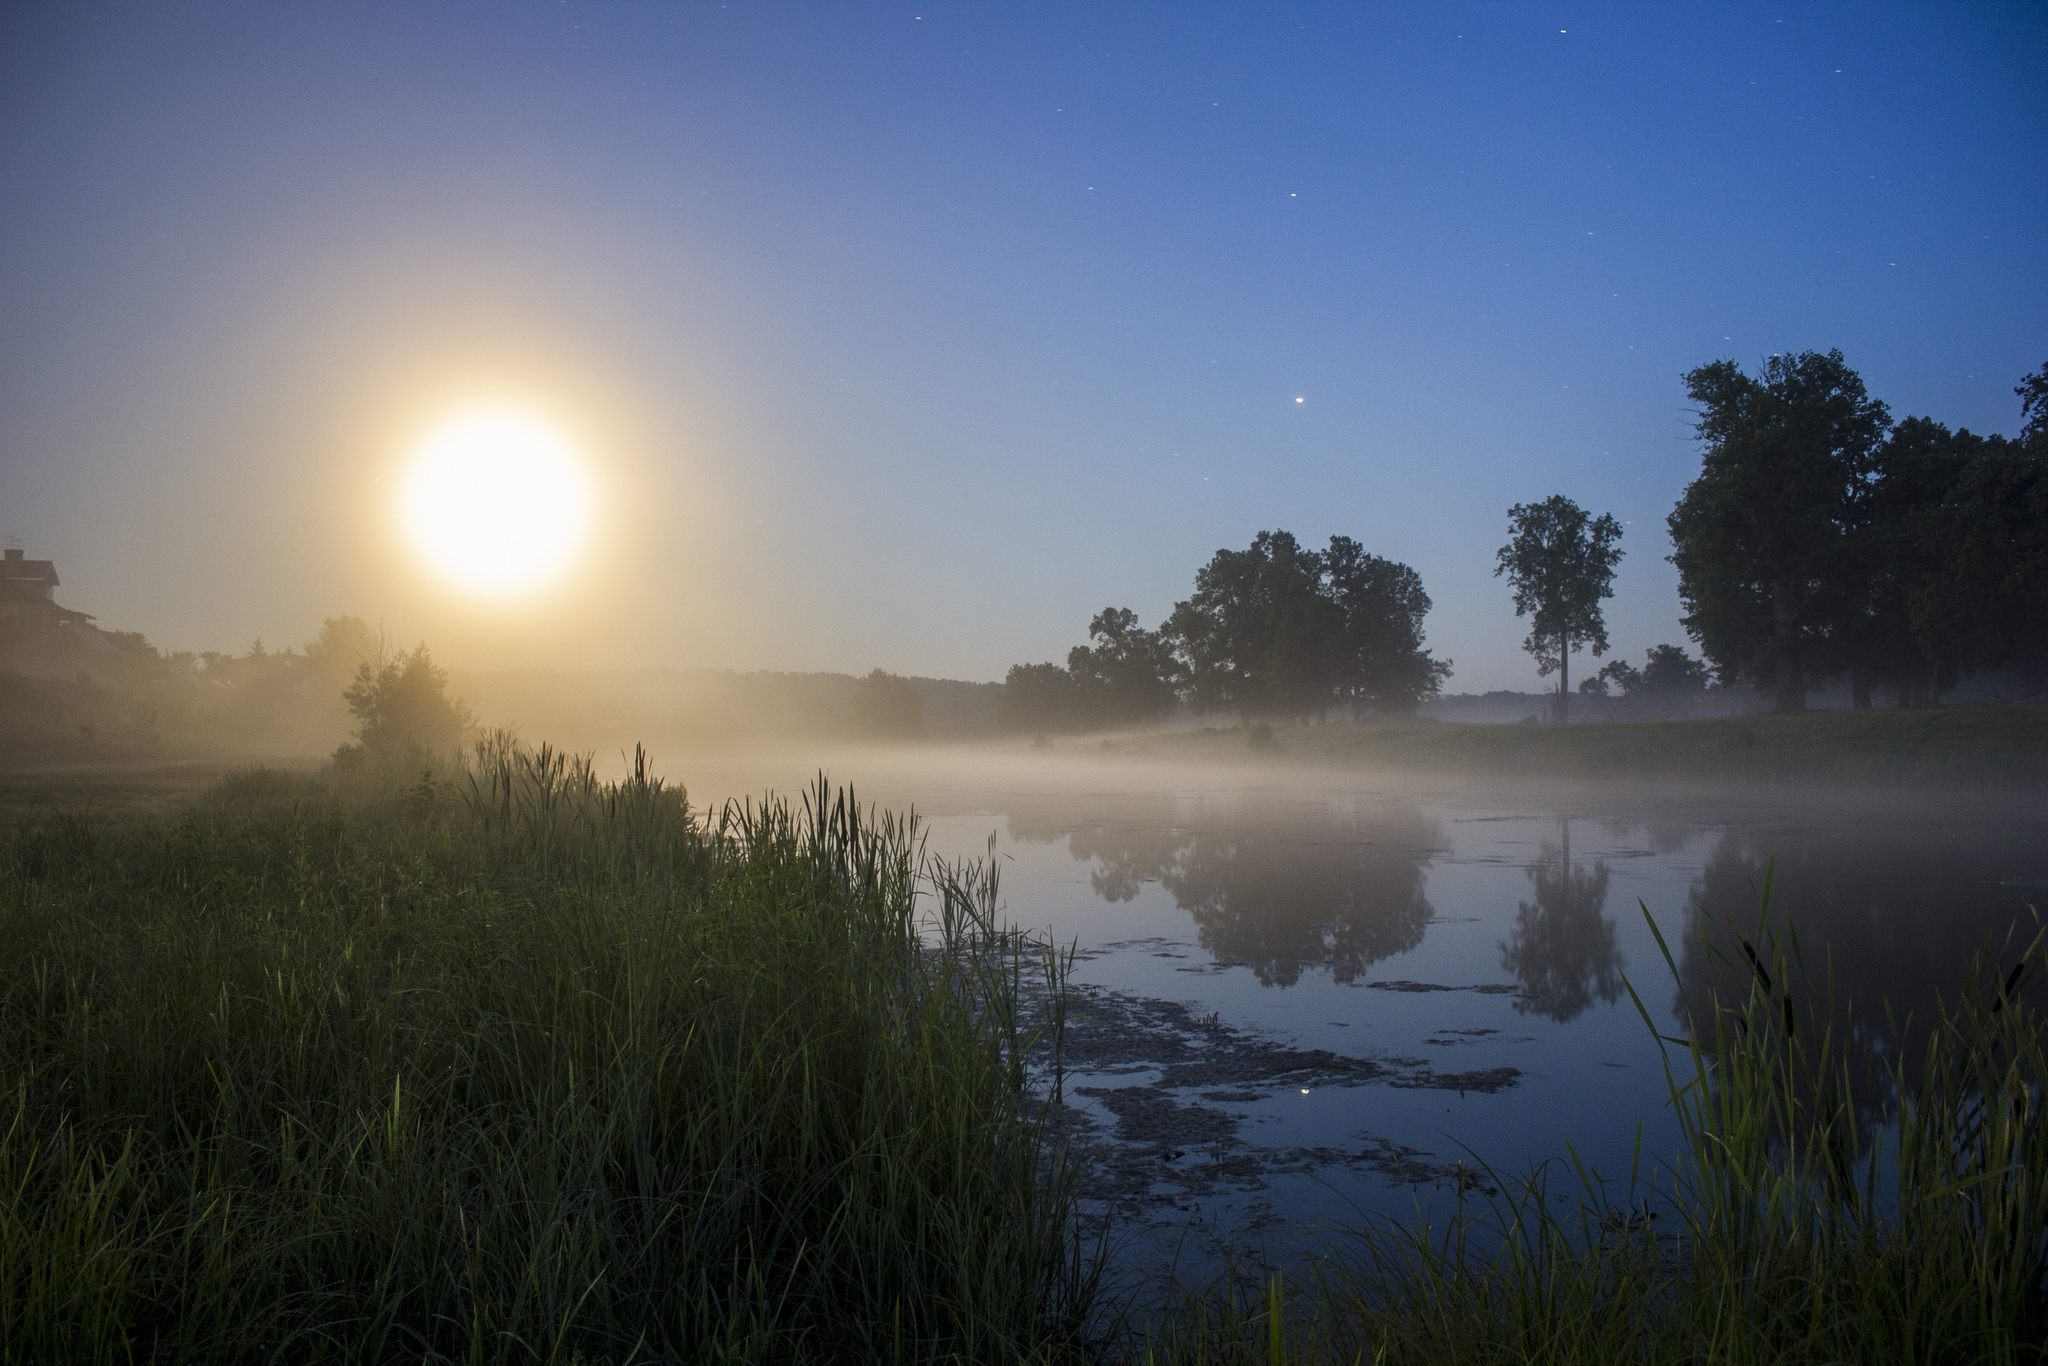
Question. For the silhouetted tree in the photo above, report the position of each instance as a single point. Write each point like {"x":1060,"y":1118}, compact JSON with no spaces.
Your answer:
{"x":1760,"y":539}
{"x":1892,"y":548}
{"x":402,"y":705}
{"x":1668,"y":669}
{"x":1040,"y":697}
{"x":1279,"y":631}
{"x":1986,"y":602}
{"x":1615,"y":674}
{"x":1670,"y":681}
{"x":1259,"y":636}
{"x":1129,"y":676}
{"x":1560,"y":563}
{"x":344,"y":646}
{"x":1386,"y":670}
{"x":888,"y":707}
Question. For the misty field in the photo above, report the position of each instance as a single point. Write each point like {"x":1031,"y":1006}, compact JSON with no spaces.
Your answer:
{"x":500,"y":1062}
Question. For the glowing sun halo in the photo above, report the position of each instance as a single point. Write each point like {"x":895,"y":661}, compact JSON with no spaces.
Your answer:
{"x":496,"y":501}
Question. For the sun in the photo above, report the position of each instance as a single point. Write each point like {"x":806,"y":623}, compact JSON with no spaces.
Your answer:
{"x":496,"y":501}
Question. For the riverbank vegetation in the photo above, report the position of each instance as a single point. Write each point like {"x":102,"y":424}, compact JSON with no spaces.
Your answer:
{"x":509,"y":1064}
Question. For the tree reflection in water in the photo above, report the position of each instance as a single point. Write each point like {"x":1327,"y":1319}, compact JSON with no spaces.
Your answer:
{"x":1279,"y":887}
{"x":1562,"y":949}
{"x":1887,"y":918}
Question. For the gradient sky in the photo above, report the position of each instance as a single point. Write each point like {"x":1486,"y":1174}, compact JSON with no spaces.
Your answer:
{"x":911,"y":335}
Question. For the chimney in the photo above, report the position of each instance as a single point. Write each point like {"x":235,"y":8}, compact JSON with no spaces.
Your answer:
{"x":14,"y":554}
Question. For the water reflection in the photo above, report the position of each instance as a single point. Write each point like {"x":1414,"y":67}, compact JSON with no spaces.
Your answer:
{"x":1562,"y":948}
{"x":1281,"y":888}
{"x":1892,"y":922}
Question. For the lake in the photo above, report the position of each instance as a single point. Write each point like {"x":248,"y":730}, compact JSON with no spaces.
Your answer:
{"x":1308,"y":997}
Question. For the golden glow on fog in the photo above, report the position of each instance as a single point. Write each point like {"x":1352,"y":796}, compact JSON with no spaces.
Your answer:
{"x":496,"y":501}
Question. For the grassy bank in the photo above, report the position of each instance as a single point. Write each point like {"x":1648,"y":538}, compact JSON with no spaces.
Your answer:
{"x":521,"y":1067}
{"x":2004,"y":747}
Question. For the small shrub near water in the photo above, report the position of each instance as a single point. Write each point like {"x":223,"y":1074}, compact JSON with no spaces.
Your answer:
{"x":514,"y":1065}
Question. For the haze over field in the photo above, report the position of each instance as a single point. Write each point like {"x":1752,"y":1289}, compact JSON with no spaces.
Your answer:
{"x":911,"y":337}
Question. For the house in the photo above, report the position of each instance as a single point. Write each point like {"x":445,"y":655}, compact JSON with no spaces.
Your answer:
{"x":28,"y":591}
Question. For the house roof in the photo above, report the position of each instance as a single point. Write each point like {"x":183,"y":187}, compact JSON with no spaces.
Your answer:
{"x":36,"y":571}
{"x":31,"y":590}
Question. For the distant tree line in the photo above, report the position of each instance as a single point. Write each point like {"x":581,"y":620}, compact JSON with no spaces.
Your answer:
{"x":1822,"y":540}
{"x":1669,"y":676}
{"x":1275,"y":631}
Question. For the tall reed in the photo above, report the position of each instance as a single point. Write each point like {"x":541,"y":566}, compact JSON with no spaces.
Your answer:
{"x":508,"y":1063}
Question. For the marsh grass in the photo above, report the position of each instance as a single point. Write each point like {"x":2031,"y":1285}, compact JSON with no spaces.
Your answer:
{"x":1791,"y":1226}
{"x":507,"y":1063}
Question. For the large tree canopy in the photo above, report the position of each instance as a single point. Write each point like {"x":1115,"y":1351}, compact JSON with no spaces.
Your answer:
{"x":1896,"y":549}
{"x":1981,"y":599}
{"x":1129,"y":675}
{"x":1387,"y":672}
{"x":1259,"y":636}
{"x":1560,"y":563}
{"x":1761,"y":538}
{"x":1277,"y":630}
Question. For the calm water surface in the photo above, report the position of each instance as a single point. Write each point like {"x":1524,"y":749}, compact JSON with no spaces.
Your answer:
{"x":1316,"y":994}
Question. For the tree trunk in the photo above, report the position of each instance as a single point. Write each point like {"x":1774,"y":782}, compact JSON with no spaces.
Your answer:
{"x":1791,"y":686}
{"x":1564,"y":680}
{"x":1859,"y":687}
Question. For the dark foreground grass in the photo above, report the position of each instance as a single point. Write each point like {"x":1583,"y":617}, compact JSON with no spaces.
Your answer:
{"x":2002,"y":747}
{"x":518,"y":1066}
{"x":521,"y":1067}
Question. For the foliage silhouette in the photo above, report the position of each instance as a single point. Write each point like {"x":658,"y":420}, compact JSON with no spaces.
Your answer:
{"x":1280,"y":632}
{"x":402,"y":706}
{"x":1560,"y":563}
{"x":1760,"y":538}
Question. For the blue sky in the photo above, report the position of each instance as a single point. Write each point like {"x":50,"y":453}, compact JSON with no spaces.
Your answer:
{"x":912,"y":335}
